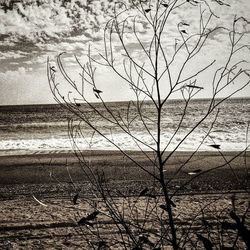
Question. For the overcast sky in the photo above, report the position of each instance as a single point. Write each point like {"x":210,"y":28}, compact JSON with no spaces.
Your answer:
{"x":29,"y":34}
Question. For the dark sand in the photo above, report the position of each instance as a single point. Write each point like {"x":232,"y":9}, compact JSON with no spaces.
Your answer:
{"x":61,"y":168}
{"x":26,"y":224}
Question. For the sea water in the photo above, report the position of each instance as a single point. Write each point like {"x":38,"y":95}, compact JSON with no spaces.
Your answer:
{"x":33,"y":129}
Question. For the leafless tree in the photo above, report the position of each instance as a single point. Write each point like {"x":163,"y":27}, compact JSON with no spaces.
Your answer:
{"x":166,"y":72}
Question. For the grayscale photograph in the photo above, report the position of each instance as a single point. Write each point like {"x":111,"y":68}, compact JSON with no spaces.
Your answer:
{"x":125,"y":124}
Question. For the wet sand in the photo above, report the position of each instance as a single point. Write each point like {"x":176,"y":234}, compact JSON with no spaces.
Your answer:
{"x":231,"y":173}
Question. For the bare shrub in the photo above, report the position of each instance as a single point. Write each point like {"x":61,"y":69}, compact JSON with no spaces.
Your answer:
{"x":148,"y":219}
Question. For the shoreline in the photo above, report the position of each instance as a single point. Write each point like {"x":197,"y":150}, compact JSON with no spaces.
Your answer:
{"x":17,"y":152}
{"x":46,"y":152}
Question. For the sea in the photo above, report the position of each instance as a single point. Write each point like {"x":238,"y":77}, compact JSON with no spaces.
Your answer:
{"x":38,"y":129}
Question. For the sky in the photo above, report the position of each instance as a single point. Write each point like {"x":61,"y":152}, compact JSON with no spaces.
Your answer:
{"x":30,"y":34}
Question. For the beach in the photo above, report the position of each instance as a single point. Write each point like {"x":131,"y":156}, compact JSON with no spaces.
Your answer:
{"x":36,"y":192}
{"x":124,"y":125}
{"x":41,"y":175}
{"x":62,"y":168}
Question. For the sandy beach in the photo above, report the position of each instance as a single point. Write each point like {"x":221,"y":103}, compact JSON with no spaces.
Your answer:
{"x":54,"y":179}
{"x":52,"y":168}
{"x":154,"y":98}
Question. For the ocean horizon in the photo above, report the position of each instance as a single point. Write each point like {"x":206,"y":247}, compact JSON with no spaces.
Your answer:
{"x":26,"y":129}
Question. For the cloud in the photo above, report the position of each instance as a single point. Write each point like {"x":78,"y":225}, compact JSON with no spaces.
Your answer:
{"x":50,"y":29}
{"x":12,"y":54}
{"x":24,"y":86}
